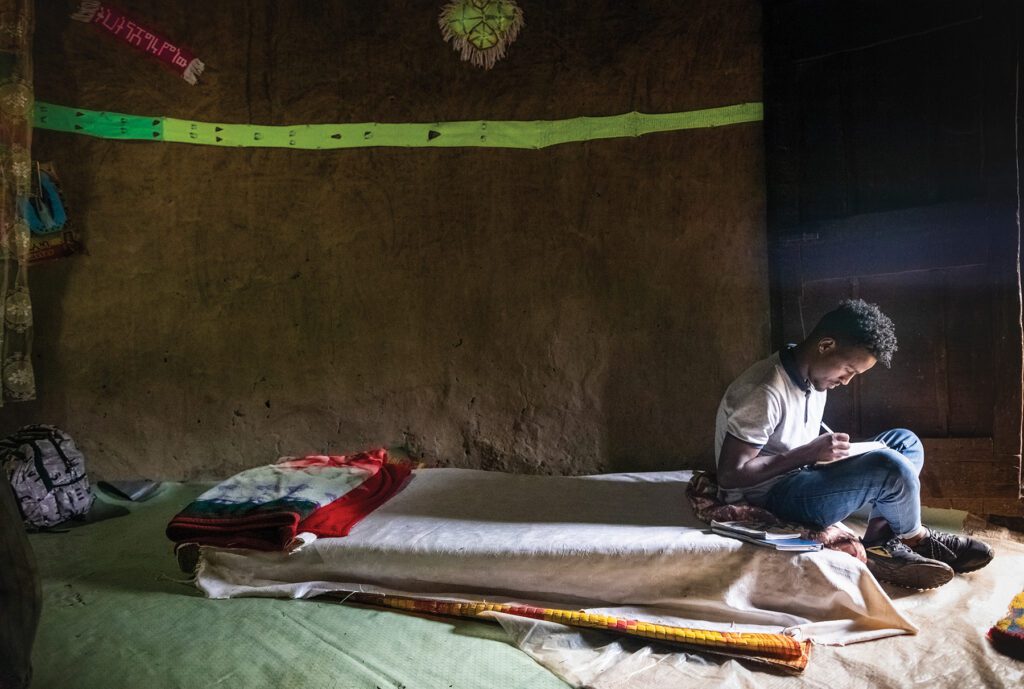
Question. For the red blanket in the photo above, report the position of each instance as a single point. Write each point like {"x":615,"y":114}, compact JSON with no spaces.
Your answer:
{"x":267,"y":507}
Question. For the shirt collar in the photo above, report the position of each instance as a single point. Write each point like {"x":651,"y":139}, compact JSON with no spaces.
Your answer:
{"x":788,"y":360}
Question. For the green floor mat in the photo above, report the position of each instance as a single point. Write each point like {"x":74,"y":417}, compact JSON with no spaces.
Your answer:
{"x":115,"y":615}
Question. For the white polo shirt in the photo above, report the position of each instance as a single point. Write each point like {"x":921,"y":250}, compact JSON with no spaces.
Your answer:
{"x":766,"y":408}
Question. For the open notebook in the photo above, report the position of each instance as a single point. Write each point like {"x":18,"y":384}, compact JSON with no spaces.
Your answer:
{"x":859,"y":449}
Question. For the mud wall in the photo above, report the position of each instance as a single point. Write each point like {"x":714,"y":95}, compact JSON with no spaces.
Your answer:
{"x":568,"y":310}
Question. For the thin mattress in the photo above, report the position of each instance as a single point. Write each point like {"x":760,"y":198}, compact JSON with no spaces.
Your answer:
{"x":620,"y":544}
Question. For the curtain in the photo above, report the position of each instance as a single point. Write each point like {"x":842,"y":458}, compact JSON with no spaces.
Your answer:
{"x":16,"y":100}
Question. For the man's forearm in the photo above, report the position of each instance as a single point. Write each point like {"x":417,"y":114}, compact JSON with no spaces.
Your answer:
{"x":761,"y":468}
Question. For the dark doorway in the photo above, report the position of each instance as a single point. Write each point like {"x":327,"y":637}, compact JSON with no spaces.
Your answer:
{"x":891,"y":134}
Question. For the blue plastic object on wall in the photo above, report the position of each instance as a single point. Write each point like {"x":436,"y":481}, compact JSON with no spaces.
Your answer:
{"x":45,"y":213}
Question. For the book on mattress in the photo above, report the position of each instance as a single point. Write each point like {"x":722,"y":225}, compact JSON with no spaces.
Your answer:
{"x":757,"y":529}
{"x":794,"y":544}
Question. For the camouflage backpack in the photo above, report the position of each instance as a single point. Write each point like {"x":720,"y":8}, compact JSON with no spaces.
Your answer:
{"x":47,"y":473}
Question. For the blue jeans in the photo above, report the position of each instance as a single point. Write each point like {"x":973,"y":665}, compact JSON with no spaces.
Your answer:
{"x":885,"y":479}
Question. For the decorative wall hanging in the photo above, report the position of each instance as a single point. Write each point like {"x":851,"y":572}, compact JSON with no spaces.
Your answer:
{"x":481,"y":30}
{"x":180,"y":60}
{"x":16,"y":373}
{"x":495,"y":134}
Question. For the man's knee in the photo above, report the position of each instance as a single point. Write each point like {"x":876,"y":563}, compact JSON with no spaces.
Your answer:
{"x":907,"y":438}
{"x":906,"y":442}
{"x":891,"y":467}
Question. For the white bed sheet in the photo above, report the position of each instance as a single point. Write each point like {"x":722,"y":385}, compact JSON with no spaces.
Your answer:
{"x":623,"y":544}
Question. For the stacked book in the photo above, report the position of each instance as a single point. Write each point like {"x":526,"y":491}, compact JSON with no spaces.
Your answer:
{"x":778,"y":536}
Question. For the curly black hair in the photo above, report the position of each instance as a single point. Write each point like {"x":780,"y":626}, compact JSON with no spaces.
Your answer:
{"x":856,"y":322}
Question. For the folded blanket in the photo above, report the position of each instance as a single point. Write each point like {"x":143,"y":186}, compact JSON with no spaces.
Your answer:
{"x":265,"y":508}
{"x":1007,"y":636}
{"x":703,"y":494}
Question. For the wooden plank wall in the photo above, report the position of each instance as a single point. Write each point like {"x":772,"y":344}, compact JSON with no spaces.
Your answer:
{"x":892,"y":176}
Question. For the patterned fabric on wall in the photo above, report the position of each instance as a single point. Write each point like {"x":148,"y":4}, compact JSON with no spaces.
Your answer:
{"x":16,"y":23}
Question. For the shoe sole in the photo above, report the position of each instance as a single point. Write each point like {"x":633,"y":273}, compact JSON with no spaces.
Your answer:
{"x":914,"y":575}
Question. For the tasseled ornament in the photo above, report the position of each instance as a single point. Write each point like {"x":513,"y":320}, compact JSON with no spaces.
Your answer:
{"x":481,"y":30}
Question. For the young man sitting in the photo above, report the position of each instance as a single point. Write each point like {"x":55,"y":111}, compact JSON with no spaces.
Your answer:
{"x":771,"y":454}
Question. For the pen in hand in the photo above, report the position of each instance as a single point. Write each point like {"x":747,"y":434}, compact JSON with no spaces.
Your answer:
{"x":836,"y":459}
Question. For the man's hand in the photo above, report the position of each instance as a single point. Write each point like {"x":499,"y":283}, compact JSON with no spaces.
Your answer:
{"x":827,"y":447}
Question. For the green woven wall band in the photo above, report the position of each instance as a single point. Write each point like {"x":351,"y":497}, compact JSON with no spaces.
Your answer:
{"x":497,"y":134}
